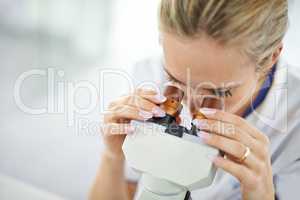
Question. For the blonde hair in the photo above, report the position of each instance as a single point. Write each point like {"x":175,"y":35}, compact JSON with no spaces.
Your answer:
{"x":256,"y":26}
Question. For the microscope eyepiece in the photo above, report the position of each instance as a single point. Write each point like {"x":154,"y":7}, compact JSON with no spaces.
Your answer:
{"x":205,"y":102}
{"x":172,"y":106}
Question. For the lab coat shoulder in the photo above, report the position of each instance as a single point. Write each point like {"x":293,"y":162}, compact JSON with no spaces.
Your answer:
{"x":291,"y":100}
{"x":286,"y":157}
{"x":293,"y":82}
{"x":282,"y":107}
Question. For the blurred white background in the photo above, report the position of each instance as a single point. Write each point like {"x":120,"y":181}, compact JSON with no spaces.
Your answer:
{"x":79,"y":38}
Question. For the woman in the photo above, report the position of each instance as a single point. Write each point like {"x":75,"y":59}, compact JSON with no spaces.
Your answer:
{"x":229,"y":49}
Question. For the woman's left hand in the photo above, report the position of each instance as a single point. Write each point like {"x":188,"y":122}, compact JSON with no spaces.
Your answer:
{"x":233,"y":135}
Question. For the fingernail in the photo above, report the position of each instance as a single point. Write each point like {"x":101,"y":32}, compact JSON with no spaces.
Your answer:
{"x":129,"y":129}
{"x":211,"y":157}
{"x":158,"y":112}
{"x":204,"y":135}
{"x":200,"y":124}
{"x":208,"y":111}
{"x":146,"y":115}
{"x":160,"y":98}
{"x":148,"y":90}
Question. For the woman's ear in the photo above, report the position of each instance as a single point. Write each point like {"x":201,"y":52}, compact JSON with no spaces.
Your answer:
{"x":276,"y":54}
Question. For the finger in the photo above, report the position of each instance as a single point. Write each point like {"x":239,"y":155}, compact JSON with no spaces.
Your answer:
{"x":126,"y":112}
{"x":143,"y":91}
{"x":242,"y":173}
{"x":235,"y":133}
{"x":151,"y":95}
{"x":233,"y":119}
{"x":156,"y":98}
{"x":229,"y":146}
{"x":142,"y":104}
{"x":116,"y":129}
{"x":227,"y":130}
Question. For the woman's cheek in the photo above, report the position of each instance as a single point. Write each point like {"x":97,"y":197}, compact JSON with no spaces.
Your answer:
{"x":235,"y":103}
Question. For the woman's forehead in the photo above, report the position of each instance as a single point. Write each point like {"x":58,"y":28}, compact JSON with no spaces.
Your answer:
{"x":204,"y":60}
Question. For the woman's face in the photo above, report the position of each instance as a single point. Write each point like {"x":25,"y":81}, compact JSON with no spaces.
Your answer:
{"x":205,"y":68}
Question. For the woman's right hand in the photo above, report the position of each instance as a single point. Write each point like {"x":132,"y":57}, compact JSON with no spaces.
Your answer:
{"x":141,"y":105}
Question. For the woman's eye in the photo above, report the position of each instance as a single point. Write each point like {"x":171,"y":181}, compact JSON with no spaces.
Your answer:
{"x":222,"y":93}
{"x":170,"y":79}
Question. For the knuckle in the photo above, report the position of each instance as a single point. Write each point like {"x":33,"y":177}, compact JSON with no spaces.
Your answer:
{"x":237,"y":120}
{"x":118,"y":109}
{"x":133,"y":100}
{"x":129,"y":99}
{"x":265,"y":152}
{"x":266,"y":140}
{"x":112,"y":104}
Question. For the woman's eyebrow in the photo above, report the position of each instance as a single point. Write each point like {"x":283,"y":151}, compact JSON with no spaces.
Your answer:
{"x":229,"y":86}
{"x":221,"y":88}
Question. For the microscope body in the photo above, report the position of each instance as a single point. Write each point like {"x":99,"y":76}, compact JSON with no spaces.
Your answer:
{"x":170,"y":165}
{"x":172,"y":159}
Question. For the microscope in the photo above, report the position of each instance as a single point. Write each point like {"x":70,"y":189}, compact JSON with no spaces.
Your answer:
{"x":172,"y":159}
